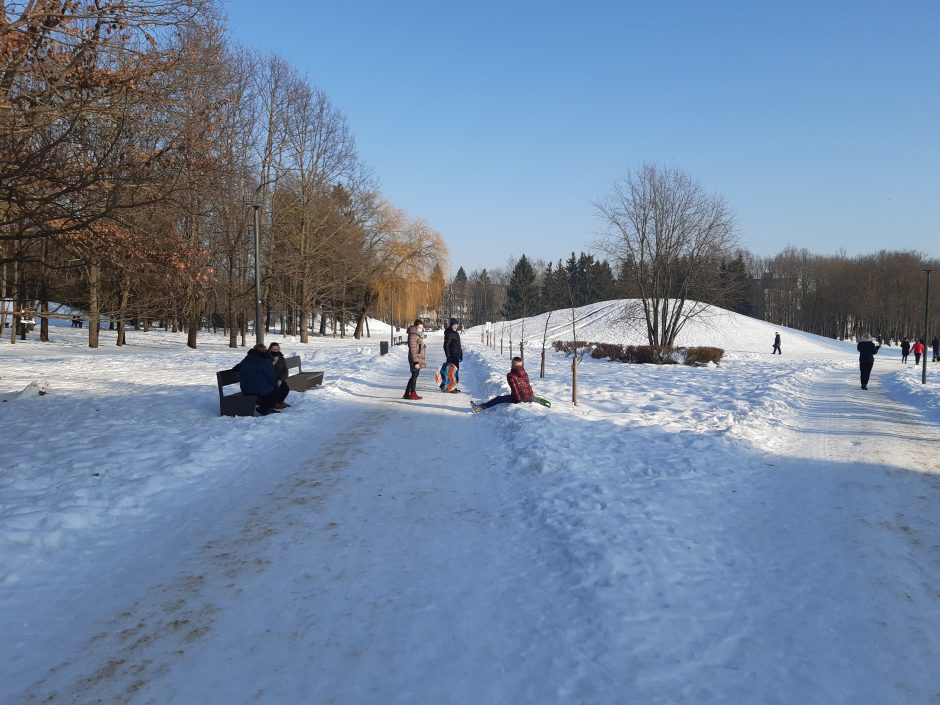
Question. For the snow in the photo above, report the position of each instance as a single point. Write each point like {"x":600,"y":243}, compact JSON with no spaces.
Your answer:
{"x":760,"y":531}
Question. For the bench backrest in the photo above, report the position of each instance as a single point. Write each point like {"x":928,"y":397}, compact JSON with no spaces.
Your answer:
{"x":293,"y":362}
{"x":226,"y":377}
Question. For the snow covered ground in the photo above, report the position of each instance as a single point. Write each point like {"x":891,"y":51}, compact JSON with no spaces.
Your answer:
{"x":758,"y":532}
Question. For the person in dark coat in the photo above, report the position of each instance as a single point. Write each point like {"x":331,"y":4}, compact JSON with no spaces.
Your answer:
{"x":453,"y":351}
{"x":259,"y":379}
{"x":417,"y":356}
{"x":935,"y":344}
{"x":905,"y":350}
{"x":866,"y":358}
{"x":280,"y":368}
{"x":776,"y":344}
{"x":520,"y":391}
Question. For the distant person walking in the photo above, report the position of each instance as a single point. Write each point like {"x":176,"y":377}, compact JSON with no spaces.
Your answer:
{"x":905,"y":350}
{"x":777,"y":345}
{"x":866,"y":358}
{"x":452,"y":347}
{"x":918,"y":349}
{"x":417,"y":352}
{"x":935,"y":344}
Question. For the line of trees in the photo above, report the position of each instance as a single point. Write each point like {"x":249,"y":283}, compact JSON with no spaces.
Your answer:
{"x":674,"y":252}
{"x":133,"y":136}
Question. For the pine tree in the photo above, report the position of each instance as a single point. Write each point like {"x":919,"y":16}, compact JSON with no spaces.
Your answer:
{"x":522,"y":294}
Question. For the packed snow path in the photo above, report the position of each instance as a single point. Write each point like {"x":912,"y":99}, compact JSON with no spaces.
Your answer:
{"x":410,"y":552}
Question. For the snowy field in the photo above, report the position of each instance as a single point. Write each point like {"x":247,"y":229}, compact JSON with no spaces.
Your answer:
{"x":762,"y":531}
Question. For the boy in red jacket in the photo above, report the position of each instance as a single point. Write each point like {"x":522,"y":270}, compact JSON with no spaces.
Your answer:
{"x":521,"y":390}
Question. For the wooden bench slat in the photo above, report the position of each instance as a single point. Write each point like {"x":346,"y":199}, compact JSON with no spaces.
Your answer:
{"x":301,"y":381}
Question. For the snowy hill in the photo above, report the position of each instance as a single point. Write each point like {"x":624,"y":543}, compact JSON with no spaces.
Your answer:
{"x":620,"y":321}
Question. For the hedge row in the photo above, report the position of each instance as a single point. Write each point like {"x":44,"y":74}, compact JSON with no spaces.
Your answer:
{"x":644,"y":354}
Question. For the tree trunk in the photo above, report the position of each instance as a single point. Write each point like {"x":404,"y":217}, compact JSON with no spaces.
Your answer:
{"x":94,"y":308}
{"x":542,"y":370}
{"x":122,"y":317}
{"x":302,"y":314}
{"x":44,"y":296}
{"x":13,"y":300}
{"x":192,"y":332}
{"x":574,"y":378}
{"x":360,"y":324}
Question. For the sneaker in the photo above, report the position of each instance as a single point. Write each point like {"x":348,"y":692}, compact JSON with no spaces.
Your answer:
{"x":415,"y":397}
{"x":406,"y":395}
{"x":281,"y":405}
{"x":454,"y":391}
{"x":476,"y":408}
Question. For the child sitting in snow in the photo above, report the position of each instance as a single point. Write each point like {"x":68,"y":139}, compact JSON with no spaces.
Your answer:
{"x":521,"y":390}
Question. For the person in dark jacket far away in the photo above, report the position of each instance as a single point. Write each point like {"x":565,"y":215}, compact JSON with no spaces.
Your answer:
{"x":918,"y":349}
{"x":258,"y":378}
{"x":776,"y":344}
{"x":417,"y":352}
{"x":866,"y":357}
{"x":519,"y":387}
{"x":935,"y":344}
{"x":280,"y":367}
{"x":905,"y":350}
{"x":452,"y":348}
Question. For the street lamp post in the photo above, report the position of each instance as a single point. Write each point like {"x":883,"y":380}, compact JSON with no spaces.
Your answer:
{"x":923,"y":374}
{"x":259,"y":330}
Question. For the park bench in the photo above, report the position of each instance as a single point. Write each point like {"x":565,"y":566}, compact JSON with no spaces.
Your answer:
{"x":237,"y":404}
{"x":301,"y":381}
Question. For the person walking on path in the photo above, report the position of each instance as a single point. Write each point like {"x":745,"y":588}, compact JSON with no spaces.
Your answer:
{"x":280,"y":368}
{"x":866,"y":358}
{"x":918,"y":349}
{"x":519,"y":388}
{"x":453,"y":350}
{"x":417,"y":352}
{"x":905,"y":350}
{"x":259,"y":378}
{"x":776,"y":344}
{"x":935,"y":344}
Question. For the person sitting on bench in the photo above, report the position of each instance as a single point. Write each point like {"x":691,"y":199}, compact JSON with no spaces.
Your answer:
{"x":519,"y":387}
{"x":259,"y":378}
{"x":280,"y":367}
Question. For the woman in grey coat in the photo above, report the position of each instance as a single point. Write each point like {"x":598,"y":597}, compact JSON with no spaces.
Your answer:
{"x":417,"y":351}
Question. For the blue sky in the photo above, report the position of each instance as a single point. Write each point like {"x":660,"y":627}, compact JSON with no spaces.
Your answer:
{"x":501,"y":123}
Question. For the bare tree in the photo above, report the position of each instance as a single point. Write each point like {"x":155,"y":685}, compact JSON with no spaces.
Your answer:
{"x":670,"y":237}
{"x":544,"y":343}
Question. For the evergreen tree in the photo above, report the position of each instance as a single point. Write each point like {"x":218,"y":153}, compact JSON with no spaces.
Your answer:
{"x":555,"y":288}
{"x":522,"y":294}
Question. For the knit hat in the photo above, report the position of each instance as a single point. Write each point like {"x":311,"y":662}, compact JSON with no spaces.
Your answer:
{"x":454,"y":322}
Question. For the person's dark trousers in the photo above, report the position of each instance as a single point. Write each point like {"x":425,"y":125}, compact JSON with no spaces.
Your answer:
{"x":904,"y":359}
{"x":776,"y":350}
{"x":916,"y":358}
{"x":864,"y":367}
{"x":413,"y":382}
{"x":455,"y":363}
{"x":504,"y":399}
{"x":265,"y":404}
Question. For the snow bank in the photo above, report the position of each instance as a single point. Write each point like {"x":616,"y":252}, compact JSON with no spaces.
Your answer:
{"x":125,"y":428}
